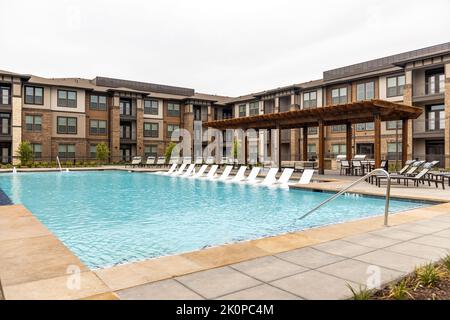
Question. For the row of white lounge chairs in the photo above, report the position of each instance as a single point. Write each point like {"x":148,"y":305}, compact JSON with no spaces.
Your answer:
{"x":189,"y":171}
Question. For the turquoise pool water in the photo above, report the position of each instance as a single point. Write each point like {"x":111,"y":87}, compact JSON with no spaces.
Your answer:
{"x":112,"y":217}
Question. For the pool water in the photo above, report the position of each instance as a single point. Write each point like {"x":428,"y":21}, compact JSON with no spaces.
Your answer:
{"x":113,"y":217}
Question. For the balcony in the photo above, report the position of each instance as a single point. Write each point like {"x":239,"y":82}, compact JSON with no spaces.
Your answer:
{"x":429,"y":128}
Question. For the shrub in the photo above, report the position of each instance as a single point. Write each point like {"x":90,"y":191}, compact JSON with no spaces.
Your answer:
{"x":429,"y":275}
{"x":102,"y":151}
{"x":399,"y":291}
{"x":446,"y":262}
{"x":361,"y":294}
{"x":169,"y":149}
{"x":25,"y":153}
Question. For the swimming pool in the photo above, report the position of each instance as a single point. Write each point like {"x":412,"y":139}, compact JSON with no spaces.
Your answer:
{"x":112,"y":217}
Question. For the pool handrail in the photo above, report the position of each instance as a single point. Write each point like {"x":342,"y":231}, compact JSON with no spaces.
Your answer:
{"x":373,"y":172}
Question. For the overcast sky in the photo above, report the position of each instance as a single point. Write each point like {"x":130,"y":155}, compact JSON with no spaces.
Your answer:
{"x":230,"y":47}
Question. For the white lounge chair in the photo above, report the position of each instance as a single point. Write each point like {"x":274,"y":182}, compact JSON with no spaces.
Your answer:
{"x":180,"y":170}
{"x":252,"y":177}
{"x":171,"y":169}
{"x":306,"y":176}
{"x":189,"y":170}
{"x":271,"y":177}
{"x":285,"y":176}
{"x":200,"y":172}
{"x":161,"y":161}
{"x":212,"y":171}
{"x":226,"y":172}
{"x":240,"y":175}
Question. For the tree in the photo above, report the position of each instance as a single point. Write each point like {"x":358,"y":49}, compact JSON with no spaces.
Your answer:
{"x":168,"y":152}
{"x":25,"y":153}
{"x":102,"y":151}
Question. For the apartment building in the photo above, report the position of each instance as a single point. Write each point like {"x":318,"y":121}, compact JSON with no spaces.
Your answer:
{"x":68,"y":117}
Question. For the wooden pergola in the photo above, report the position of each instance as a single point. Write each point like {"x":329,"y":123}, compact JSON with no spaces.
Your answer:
{"x":341,"y":114}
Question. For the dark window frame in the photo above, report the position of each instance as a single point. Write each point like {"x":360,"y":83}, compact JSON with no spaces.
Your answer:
{"x":398,"y":125}
{"x":242,"y":113}
{"x":151,"y":153}
{"x":34,"y":127}
{"x":66,"y":154}
{"x":309,"y":103}
{"x":398,"y":88}
{"x":151,"y":133}
{"x":173,"y":109}
{"x":253,"y":108}
{"x":33,"y":101}
{"x":174,"y":127}
{"x":154,"y":111}
{"x":64,"y":102}
{"x":99,"y":106}
{"x":365,"y":83}
{"x":66,"y":131}
{"x":97,"y":128}
{"x":8,"y":96}
{"x":7,"y":116}
{"x":340,"y":97}
{"x":36,"y":155}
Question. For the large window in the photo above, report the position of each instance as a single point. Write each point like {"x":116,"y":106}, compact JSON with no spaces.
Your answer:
{"x":254,"y":108}
{"x":93,"y":151}
{"x":97,"y":127}
{"x":435,"y":81}
{"x":125,"y":131}
{"x":151,"y":130}
{"x":394,"y":151}
{"x":4,"y":95}
{"x":33,"y":122}
{"x":173,"y":109}
{"x":435,"y":117}
{"x":393,"y":125}
{"x":151,"y":107}
{"x":98,"y":103}
{"x":339,"y":95}
{"x":368,"y":126}
{"x":67,"y":125}
{"x":365,"y":91}
{"x":34,"y":95}
{"x":125,"y":107}
{"x":339,"y":128}
{"x":395,"y":86}
{"x":310,"y":99}
{"x":337,"y":149}
{"x":5,"y":123}
{"x":67,"y":98}
{"x":242,"y":110}
{"x":37,"y":150}
{"x":66,"y":151}
{"x":151,"y":150}
{"x":171,"y":128}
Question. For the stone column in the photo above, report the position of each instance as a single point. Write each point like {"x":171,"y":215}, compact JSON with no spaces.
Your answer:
{"x":115,"y":128}
{"x":407,"y":99}
{"x":295,"y":133}
{"x":189,"y":125}
{"x":447,"y":115}
{"x":139,"y":127}
{"x":16,"y":124}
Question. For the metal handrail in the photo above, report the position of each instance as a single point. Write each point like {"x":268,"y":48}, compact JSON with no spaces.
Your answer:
{"x":388,"y":194}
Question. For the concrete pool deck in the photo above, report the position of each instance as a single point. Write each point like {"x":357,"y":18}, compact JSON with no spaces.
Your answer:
{"x":312,"y":264}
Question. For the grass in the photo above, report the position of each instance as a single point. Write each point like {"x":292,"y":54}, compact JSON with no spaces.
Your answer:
{"x":361,"y":294}
{"x":429,"y":275}
{"x":446,"y":262}
{"x":400,"y":291}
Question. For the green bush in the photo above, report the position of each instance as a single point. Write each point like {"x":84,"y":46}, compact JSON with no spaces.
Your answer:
{"x":168,"y":152}
{"x":102,"y":151}
{"x":25,"y":153}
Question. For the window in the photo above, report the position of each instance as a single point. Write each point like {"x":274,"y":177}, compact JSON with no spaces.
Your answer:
{"x":254,"y":108}
{"x":312,"y":130}
{"x":339,"y":128}
{"x":97,"y":127}
{"x":311,"y":150}
{"x":4,"y":95}
{"x":339,"y":95}
{"x":125,"y":107}
{"x":37,"y":150}
{"x":34,"y":95}
{"x":198,"y":113}
{"x":435,"y":117}
{"x":66,"y":151}
{"x":93,"y":151}
{"x":310,"y":100}
{"x":242,"y":110}
{"x":368,"y":126}
{"x":67,"y":125}
{"x":98,"y":103}
{"x":395,"y":86}
{"x":33,"y":122}
{"x":394,"y":150}
{"x":171,"y":128}
{"x":4,"y":123}
{"x":125,"y":131}
{"x":393,"y":125}
{"x":337,"y":149}
{"x":151,"y":150}
{"x":67,"y":98}
{"x":173,"y":109}
{"x":365,"y":91}
{"x":435,"y":81}
{"x":151,"y":107}
{"x":151,"y":130}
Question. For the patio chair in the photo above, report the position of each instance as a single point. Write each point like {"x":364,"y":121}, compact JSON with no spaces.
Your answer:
{"x":270,"y":178}
{"x":189,"y":171}
{"x":180,"y":170}
{"x":306,"y":176}
{"x":416,"y":179}
{"x":211,"y":173}
{"x":136,"y":162}
{"x":345,"y":167}
{"x":161,"y":161}
{"x":240,"y":175}
{"x":171,"y":169}
{"x":283,"y":180}
{"x":357,"y":168}
{"x":200,"y":172}
{"x":150,"y":161}
{"x":252,"y":176}
{"x":226,"y":172}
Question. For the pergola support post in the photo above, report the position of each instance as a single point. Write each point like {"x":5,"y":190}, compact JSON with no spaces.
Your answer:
{"x":377,"y":127}
{"x":348,"y":136}
{"x":321,"y":148}
{"x":245,"y":148}
{"x":279,"y":146}
{"x":405,"y":133}
{"x":305,"y":144}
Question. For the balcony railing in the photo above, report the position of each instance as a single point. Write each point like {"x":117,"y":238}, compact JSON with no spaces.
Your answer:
{"x":429,"y":125}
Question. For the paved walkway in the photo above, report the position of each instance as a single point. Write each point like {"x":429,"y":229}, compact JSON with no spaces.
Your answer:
{"x":321,"y":271}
